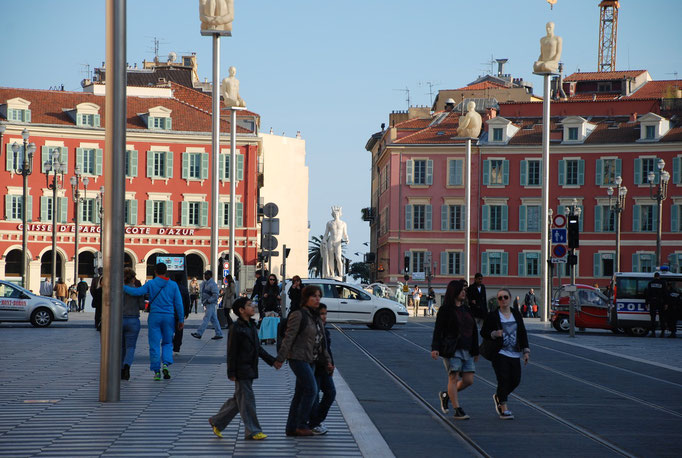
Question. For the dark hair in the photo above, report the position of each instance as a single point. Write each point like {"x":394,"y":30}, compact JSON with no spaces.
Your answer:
{"x":294,"y":278}
{"x":478,"y":275}
{"x":128,"y":275}
{"x":322,"y":306}
{"x":272,"y":276}
{"x":454,"y":288}
{"x":160,"y":268}
{"x":208,"y":274}
{"x":308,"y":292}
{"x":239,"y":304}
{"x":229,"y":279}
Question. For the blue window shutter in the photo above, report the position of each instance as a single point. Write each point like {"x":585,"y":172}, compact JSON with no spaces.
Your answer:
{"x":221,"y":214}
{"x":240,"y":167}
{"x":204,"y":166}
{"x":505,"y":169}
{"x":168,"y":213}
{"x":636,"y":214}
{"x":522,"y":218}
{"x":486,"y":172}
{"x":505,"y":263}
{"x":149,"y":210}
{"x":599,"y":174}
{"x":133,"y":163}
{"x":582,"y":218}
{"x":429,"y":172}
{"x":522,"y":264}
{"x":444,"y":263}
{"x":485,"y":218}
{"x":619,"y":167}
{"x":598,"y":211}
{"x":581,"y":172}
{"x":444,"y":217}
{"x":505,"y":218}
{"x":655,"y":220}
{"x":451,"y":171}
{"x":150,"y":164}
{"x":562,"y":173}
{"x":169,"y":164}
{"x":79,"y":159}
{"x":459,"y":165}
{"x":408,"y":217}
{"x":44,"y":210}
{"x":185,"y":167}
{"x":98,"y":161}
{"x":635,"y":262}
{"x":524,"y":173}
{"x":638,"y":171}
{"x":677,"y":170}
{"x":596,"y":262}
{"x":428,"y":217}
{"x":29,"y":209}
{"x":408,"y":171}
{"x":184,"y":213}
{"x":133,"y":212}
{"x":203,"y":218}
{"x":221,"y":167}
{"x":240,"y":215}
{"x":675,"y":218}
{"x":484,"y":263}
{"x":461,"y":263}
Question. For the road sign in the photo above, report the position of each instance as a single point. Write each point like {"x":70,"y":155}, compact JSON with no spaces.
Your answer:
{"x":270,"y":210}
{"x":271,"y":254}
{"x":560,"y":221}
{"x":559,"y":260}
{"x":270,"y":226}
{"x":559,"y":251}
{"x":269,"y":242}
{"x":420,"y":276}
{"x":559,"y":236}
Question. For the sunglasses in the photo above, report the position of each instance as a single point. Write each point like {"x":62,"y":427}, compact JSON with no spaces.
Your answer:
{"x":505,"y":297}
{"x":272,"y":279}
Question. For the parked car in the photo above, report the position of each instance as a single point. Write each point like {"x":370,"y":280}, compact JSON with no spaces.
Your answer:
{"x":18,"y":304}
{"x":347,"y":303}
{"x":591,"y":308}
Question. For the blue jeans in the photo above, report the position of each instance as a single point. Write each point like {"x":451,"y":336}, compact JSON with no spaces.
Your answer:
{"x":212,"y":317}
{"x":304,"y":395}
{"x":161,"y":328}
{"x":131,"y":329}
{"x":321,"y":408}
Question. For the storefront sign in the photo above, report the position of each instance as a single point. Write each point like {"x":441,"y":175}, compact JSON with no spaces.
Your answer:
{"x":134,"y":230}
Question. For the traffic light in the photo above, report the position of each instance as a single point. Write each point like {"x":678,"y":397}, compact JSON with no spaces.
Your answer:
{"x":573,"y":231}
{"x":407,"y":264}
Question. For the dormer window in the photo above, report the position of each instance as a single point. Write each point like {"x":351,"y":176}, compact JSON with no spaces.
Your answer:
{"x":650,"y":132}
{"x":16,"y":109}
{"x":653,"y":127}
{"x":501,"y":130}
{"x":573,"y":133}
{"x":158,"y":118}
{"x":87,"y":115}
{"x":576,"y":129}
{"x":497,"y":134}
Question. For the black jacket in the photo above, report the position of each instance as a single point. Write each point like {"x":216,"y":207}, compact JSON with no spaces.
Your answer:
{"x":492,"y":323}
{"x":295,"y":298}
{"x":82,"y":288}
{"x":656,"y":292}
{"x":270,"y":303}
{"x":447,"y":329}
{"x":243,"y":350}
{"x":257,"y":288}
{"x":184,"y":293}
{"x":478,"y":302}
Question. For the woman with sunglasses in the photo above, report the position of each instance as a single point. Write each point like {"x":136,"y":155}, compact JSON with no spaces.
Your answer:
{"x":271,"y":298}
{"x":505,"y":328}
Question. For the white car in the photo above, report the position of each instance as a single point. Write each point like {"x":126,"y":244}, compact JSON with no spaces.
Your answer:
{"x":19,"y":304}
{"x":348,"y":303}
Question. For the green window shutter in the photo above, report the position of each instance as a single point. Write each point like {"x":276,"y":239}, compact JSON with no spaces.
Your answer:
{"x":486,"y":172}
{"x":451,"y":171}
{"x":598,"y":211}
{"x":581,"y":219}
{"x":599,"y":172}
{"x":44,"y":208}
{"x":638,"y":171}
{"x":96,"y":207}
{"x":619,"y":167}
{"x":636,"y":213}
{"x":79,"y":159}
{"x":239,"y":217}
{"x":444,"y":217}
{"x":522,"y":219}
{"x":459,"y":164}
{"x":505,"y":263}
{"x":677,"y":170}
{"x":409,"y":165}
{"x":64,"y":157}
{"x":27,"y":114}
{"x":9,"y":156}
{"x":522,"y":264}
{"x":505,"y":169}
{"x":524,"y":173}
{"x":168,"y":210}
{"x":185,"y":167}
{"x":596,"y":262}
{"x":149,"y":210}
{"x":29,"y":209}
{"x":133,"y":212}
{"x":8,"y":206}
{"x":221,"y":214}
{"x":45,"y":157}
{"x":63,"y":209}
{"x":203,"y":218}
{"x":429,"y":172}
{"x":204,"y":166}
{"x":184,"y":213}
{"x":635,"y":262}
{"x":655,"y":219}
{"x":168,"y":125}
{"x":132,"y":162}
{"x":169,"y":164}
{"x":675,"y":218}
{"x":581,"y":172}
{"x":150,"y":164}
{"x":461,"y":263}
{"x":444,"y":263}
{"x":428,"y":217}
{"x":240,"y":167}
{"x":408,"y":217}
{"x":505,"y":218}
{"x":97,"y":120}
{"x":221,"y":167}
{"x":485,"y":218}
{"x":484,"y":263}
{"x":126,"y":212}
{"x":98,"y":161}
{"x":562,"y":172}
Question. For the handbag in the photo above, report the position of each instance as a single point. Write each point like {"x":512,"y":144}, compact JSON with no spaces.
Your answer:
{"x":448,"y":347}
{"x":488,"y":349}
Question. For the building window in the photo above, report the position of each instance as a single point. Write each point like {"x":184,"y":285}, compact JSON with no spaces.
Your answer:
{"x":46,"y":209}
{"x":494,"y":263}
{"x":159,"y":212}
{"x":642,"y":168}
{"x":16,"y":114}
{"x":455,"y":167}
{"x":573,"y":133}
{"x":89,"y":212}
{"x":193,"y":210}
{"x":603,"y":264}
{"x":644,"y":218}
{"x":195,"y":166}
{"x":571,"y":172}
{"x":15,"y":161}
{"x":675,"y":263}
{"x":224,"y":214}
{"x":159,"y":123}
{"x":130,"y":216}
{"x":387,"y":179}
{"x":606,"y":171}
{"x":224,"y":167}
{"x":495,"y":218}
{"x":604,"y":87}
{"x":419,"y":172}
{"x":418,"y":217}
{"x":418,"y":258}
{"x":452,"y":217}
{"x":13,"y":207}
{"x":676,"y":218}
{"x":529,"y":218}
{"x":650,"y":132}
{"x":604,"y":219}
{"x":497,"y":134}
{"x":496,"y":172}
{"x":529,"y":264}
{"x":643,"y":262}
{"x":451,"y":263}
{"x":534,"y":173}
{"x":159,"y":164}
{"x":87,"y":120}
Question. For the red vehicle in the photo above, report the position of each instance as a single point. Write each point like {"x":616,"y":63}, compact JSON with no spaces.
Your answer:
{"x":591,"y":308}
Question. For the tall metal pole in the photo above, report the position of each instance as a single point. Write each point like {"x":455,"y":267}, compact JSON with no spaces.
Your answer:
{"x":54,"y":229}
{"x":215,"y":142}
{"x":544,"y":286}
{"x":284,"y":281}
{"x":467,"y":220}
{"x":24,"y":205}
{"x":659,"y":229}
{"x":76,"y":202}
{"x":233,"y":184}
{"x":114,"y":201}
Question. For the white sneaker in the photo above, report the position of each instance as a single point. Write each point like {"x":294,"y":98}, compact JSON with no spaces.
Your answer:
{"x":320,"y":430}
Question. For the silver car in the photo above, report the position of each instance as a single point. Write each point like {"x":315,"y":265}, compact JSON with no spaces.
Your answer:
{"x":19,"y":305}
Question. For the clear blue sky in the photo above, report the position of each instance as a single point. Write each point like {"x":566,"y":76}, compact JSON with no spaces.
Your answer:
{"x":331,"y":69}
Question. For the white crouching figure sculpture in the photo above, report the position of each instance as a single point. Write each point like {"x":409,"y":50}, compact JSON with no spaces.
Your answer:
{"x":550,"y":52}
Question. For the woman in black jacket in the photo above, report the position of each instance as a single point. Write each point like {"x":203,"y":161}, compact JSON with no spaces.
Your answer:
{"x":271,"y":298}
{"x":295,"y":293}
{"x":455,"y":339}
{"x":505,"y":331}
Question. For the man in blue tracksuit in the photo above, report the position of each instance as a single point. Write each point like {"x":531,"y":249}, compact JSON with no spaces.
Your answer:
{"x":165,"y":307}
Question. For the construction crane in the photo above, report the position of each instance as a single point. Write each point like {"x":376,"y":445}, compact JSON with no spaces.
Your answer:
{"x":608,"y":32}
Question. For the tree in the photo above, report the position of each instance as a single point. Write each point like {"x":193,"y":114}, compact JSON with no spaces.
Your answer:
{"x":314,"y":257}
{"x":359,"y":270}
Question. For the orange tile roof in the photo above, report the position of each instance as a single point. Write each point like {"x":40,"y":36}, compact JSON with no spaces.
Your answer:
{"x":481,"y":86}
{"x":438,"y":133}
{"x":603,"y":76}
{"x":656,"y":89}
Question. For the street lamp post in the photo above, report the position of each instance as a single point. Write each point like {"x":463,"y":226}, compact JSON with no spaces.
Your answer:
{"x":621,"y":192}
{"x":100,"y":207}
{"x":659,"y":195}
{"x":53,"y":164}
{"x":24,"y":169}
{"x":77,"y":199}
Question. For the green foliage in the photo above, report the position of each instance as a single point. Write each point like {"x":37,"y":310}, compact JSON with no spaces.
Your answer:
{"x":359,"y":270}
{"x":314,"y":257}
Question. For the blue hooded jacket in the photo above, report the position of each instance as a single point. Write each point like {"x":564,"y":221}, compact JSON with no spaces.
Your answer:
{"x":164,"y":296}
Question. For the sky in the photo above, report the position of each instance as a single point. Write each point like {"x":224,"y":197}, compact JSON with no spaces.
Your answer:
{"x":334,"y":71}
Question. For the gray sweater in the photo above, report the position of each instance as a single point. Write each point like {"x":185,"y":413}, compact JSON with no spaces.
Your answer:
{"x":132,"y":305}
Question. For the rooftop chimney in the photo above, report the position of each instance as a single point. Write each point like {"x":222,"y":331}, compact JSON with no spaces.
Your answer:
{"x":633,"y":117}
{"x":500,"y":66}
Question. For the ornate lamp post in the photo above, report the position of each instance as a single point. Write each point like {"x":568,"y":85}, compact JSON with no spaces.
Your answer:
{"x":53,"y":164}
{"x":24,"y":169}
{"x":617,"y":207}
{"x":100,"y":207}
{"x":77,"y":199}
{"x":659,"y":195}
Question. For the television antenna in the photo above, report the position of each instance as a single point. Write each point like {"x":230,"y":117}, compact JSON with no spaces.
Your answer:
{"x":491,"y":64}
{"x":407,"y":93}
{"x":431,"y":85}
{"x":157,"y":42}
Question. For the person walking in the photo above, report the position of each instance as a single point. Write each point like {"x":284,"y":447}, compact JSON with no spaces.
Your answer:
{"x":194,"y":293}
{"x":416,"y":298}
{"x":186,"y":306}
{"x":655,"y":298}
{"x":73,"y":299}
{"x":531,"y":303}
{"x":165,"y":307}
{"x":131,"y":324}
{"x":46,"y":287}
{"x":61,"y":290}
{"x":209,"y":297}
{"x":295,"y":293}
{"x":82,"y":288}
{"x":229,"y":294}
{"x":431,"y":301}
{"x":304,"y":344}
{"x":270,"y":302}
{"x":96,"y":293}
{"x":325,"y":383}
{"x":455,"y":339}
{"x":516,"y":305}
{"x":504,"y":329}
{"x":478,"y":300}
{"x":257,"y":290}
{"x":243,"y":351}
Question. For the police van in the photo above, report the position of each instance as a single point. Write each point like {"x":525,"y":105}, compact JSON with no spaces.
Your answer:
{"x":629,"y":310}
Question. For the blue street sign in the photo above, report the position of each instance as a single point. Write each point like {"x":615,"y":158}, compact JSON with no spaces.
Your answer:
{"x":559,"y":251}
{"x":559,"y":236}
